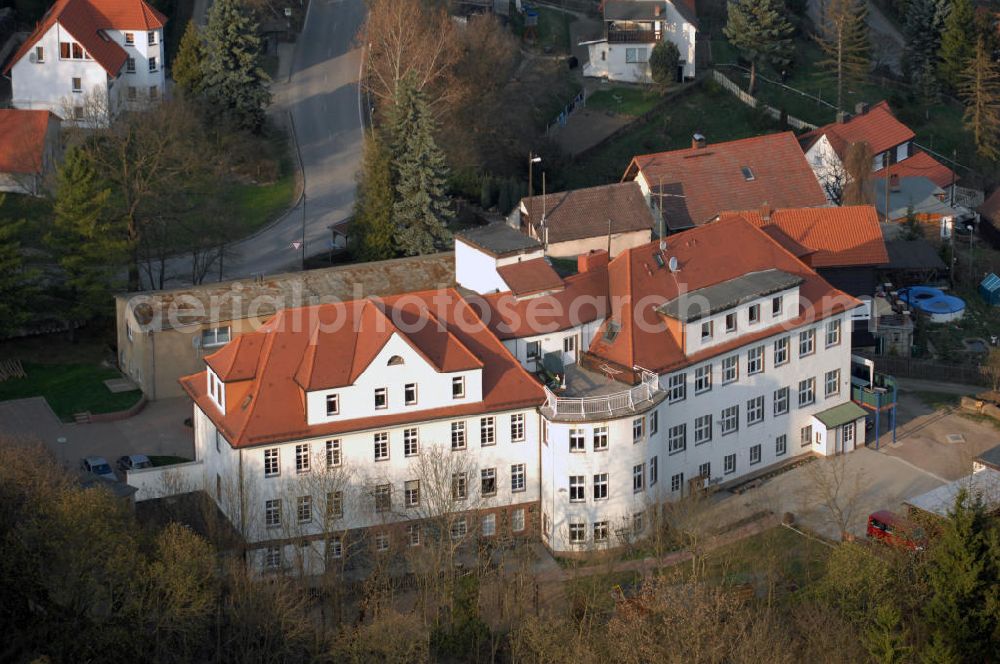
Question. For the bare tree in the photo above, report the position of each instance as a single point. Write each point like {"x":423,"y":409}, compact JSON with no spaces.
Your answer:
{"x":858,"y":160}
{"x":838,"y":489}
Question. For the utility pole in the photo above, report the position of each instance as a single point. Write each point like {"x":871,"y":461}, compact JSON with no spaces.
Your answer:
{"x":303,"y":224}
{"x":532,"y":160}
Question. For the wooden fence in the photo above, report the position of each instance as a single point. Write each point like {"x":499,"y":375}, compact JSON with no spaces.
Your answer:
{"x":753,"y":102}
{"x":906,"y":367}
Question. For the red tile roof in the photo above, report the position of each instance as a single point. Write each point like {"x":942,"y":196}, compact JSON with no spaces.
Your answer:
{"x":878,"y":127}
{"x":921,"y":164}
{"x":699,"y":183}
{"x":836,"y":236}
{"x":22,"y":140}
{"x":709,"y":255}
{"x":274,"y":410}
{"x":532,"y":276}
{"x":84,"y":19}
{"x":585,"y":213}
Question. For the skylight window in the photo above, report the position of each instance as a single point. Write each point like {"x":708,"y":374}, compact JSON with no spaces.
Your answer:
{"x":611,"y":330}
{"x":658,"y":257}
{"x":747,"y":174}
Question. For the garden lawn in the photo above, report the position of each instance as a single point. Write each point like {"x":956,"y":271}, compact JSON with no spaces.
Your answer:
{"x":69,"y":388}
{"x":552,"y":31}
{"x":705,"y":109}
{"x":258,"y":205}
{"x":624,"y":101}
{"x":780,"y":552}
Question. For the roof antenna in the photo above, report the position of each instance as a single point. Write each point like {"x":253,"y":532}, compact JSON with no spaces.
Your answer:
{"x":609,"y":236}
{"x":672,"y":264}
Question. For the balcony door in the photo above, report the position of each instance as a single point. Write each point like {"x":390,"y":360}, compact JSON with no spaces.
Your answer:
{"x":571,"y":346}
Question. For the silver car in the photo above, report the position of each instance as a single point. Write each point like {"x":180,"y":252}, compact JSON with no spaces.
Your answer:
{"x":134,"y":462}
{"x":98,"y":466}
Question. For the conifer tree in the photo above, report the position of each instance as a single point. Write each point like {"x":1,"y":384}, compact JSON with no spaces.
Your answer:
{"x":372,"y":229}
{"x":422,"y":209}
{"x":958,"y":42}
{"x":964,"y":577}
{"x":90,"y":242}
{"x":16,"y":280}
{"x":760,"y":30}
{"x":922,"y":32}
{"x":843,"y":37}
{"x":188,"y":70}
{"x":663,"y":63}
{"x":979,"y":87}
{"x":234,"y":80}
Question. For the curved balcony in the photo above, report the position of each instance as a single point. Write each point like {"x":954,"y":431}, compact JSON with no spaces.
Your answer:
{"x":589,"y":395}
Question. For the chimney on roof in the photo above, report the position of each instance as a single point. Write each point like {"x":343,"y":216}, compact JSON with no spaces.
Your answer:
{"x":698,"y":141}
{"x":843,"y":117}
{"x":765,"y":211}
{"x":861,"y":108}
{"x":595,"y":259}
{"x":894,"y":182}
{"x":657,"y":10}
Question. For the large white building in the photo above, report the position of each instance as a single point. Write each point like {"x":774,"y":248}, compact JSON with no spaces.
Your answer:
{"x":87,"y":60}
{"x":632,"y":28}
{"x":567,"y":411}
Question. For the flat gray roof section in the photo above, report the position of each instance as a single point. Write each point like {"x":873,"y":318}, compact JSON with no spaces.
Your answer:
{"x":985,"y":485}
{"x":498,"y":239}
{"x":645,"y":10}
{"x":711,"y":300}
{"x":991,"y":457}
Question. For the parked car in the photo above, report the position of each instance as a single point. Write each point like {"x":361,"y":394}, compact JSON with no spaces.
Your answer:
{"x":134,"y":462}
{"x":98,"y":466}
{"x":890,"y":528}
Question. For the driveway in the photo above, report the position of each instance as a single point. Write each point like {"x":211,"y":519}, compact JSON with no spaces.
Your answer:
{"x":158,"y":430}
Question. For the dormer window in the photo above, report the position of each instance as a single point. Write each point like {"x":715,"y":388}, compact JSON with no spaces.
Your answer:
{"x":730,"y":322}
{"x":706,"y":330}
{"x":381,"y":398}
{"x":754,"y":313}
{"x":776,"y":306}
{"x":333,"y":404}
{"x":458,"y":387}
{"x":410,"y":394}
{"x":129,"y":38}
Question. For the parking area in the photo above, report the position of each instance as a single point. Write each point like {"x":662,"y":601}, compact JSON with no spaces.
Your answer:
{"x":158,"y":429}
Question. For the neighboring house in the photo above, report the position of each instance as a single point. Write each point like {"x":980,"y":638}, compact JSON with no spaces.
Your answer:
{"x":612,"y":217}
{"x":480,"y":254}
{"x":163,"y":335}
{"x":845,"y":244}
{"x":632,"y":28}
{"x":87,"y":60}
{"x":898,"y":198}
{"x":692,"y":186}
{"x":890,"y":141}
{"x":983,"y":484}
{"x":29,"y":147}
{"x":701,"y":363}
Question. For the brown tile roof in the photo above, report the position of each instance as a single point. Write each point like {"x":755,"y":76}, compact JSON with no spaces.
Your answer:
{"x":836,"y":236}
{"x":84,"y":19}
{"x":274,"y":412}
{"x":533,"y":276}
{"x":921,"y":164}
{"x":584,"y":213}
{"x":22,"y":140}
{"x":709,"y":255}
{"x":878,"y":127}
{"x":699,"y":183}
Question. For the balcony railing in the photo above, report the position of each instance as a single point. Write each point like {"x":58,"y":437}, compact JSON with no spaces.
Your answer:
{"x":880,"y":395}
{"x":632,"y":36}
{"x":628,"y":400}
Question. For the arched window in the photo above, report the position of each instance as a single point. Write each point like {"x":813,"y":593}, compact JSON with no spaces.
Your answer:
{"x":394,"y":360}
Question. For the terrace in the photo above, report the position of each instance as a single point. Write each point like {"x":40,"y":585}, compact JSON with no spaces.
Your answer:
{"x":588,"y":394}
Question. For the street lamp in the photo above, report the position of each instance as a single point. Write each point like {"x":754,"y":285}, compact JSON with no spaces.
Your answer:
{"x":532,"y":160}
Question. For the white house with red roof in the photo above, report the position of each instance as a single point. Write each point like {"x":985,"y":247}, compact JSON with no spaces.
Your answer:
{"x":569,"y":410}
{"x":88,"y":59}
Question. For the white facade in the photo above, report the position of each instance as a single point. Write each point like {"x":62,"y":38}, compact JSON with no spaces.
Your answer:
{"x":569,"y":343}
{"x":830,"y":170}
{"x":476,"y":269}
{"x":78,"y":88}
{"x":629,"y":62}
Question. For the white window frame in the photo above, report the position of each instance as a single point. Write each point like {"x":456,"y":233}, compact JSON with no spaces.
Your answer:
{"x":333,"y":453}
{"x":304,"y":509}
{"x":755,"y":360}
{"x":577,"y":488}
{"x":517,"y":522}
{"x":676,"y":482}
{"x":272,"y":513}
{"x":577,"y":440}
{"x":703,"y":379}
{"x":458,"y":387}
{"x":487,"y":478}
{"x":489,"y":527}
{"x":831,"y":383}
{"x":677,"y":387}
{"x":833,"y":333}
{"x":807,"y":392}
{"x":600,"y":489}
{"x":600,"y":532}
{"x":729,"y":420}
{"x":458,"y":438}
{"x":730,"y":369}
{"x":272,"y":462}
{"x":410,"y":394}
{"x":755,"y":410}
{"x":755,"y":454}
{"x":380,"y":440}
{"x":781,"y":401}
{"x":703,"y":429}
{"x":411,"y":493}
{"x":601,"y":438}
{"x":677,"y":438}
{"x":781,"y":445}
{"x":729,"y":464}
{"x":518,"y":478}
{"x":303,"y":462}
{"x":638,"y":477}
{"x":411,"y":442}
{"x":381,"y":398}
{"x":807,"y":343}
{"x":517,"y":428}
{"x":577,"y":533}
{"x":781,"y":351}
{"x":332,"y":404}
{"x":487,"y":431}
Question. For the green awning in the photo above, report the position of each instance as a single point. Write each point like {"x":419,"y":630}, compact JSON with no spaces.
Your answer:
{"x":840,"y":415}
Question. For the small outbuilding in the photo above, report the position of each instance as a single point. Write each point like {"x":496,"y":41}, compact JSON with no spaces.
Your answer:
{"x":989,"y":289}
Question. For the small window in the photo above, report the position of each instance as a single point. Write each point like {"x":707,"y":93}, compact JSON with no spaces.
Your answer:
{"x":776,"y":306}
{"x":272,"y":557}
{"x":601,"y":486}
{"x":272,"y":513}
{"x":578,"y":531}
{"x":381,"y":542}
{"x":383,"y":498}
{"x":130,"y":65}
{"x":730,"y":322}
{"x":706,"y":330}
{"x":381,"y":445}
{"x":411,"y":442}
{"x":677,"y":387}
{"x":488,"y":482}
{"x":411,"y":493}
{"x":517,"y":521}
{"x":754,"y":314}
{"x":459,"y":486}
{"x":638,"y":477}
{"x":638,"y":523}
{"x":131,"y":93}
{"x":781,"y":401}
{"x":152,"y":64}
{"x":64,"y":50}
{"x":154,"y":92}
{"x":729,"y":463}
{"x":677,"y":438}
{"x":487,"y":431}
{"x":458,"y":435}
{"x":747,"y":173}
{"x":459,"y":528}
{"x":807,"y":392}
{"x":302,"y":461}
{"x":805,"y":435}
{"x":517,"y":428}
{"x":676,"y":482}
{"x":77,"y":52}
{"x":755,"y":454}
{"x":489,"y":525}
{"x":702,"y":429}
{"x":703,"y":379}
{"x":638,"y":429}
{"x":517,"y":477}
{"x":304,"y":509}
{"x":600,"y":532}
{"x":600,"y":438}
{"x":832,"y":383}
{"x":78,"y":112}
{"x":577,"y":489}
{"x":410,"y":394}
{"x":381,"y":398}
{"x":335,"y":504}
{"x":77,"y":84}
{"x":611,"y":331}
{"x":755,"y":410}
{"x":151,"y":38}
{"x":332,"y":404}
{"x":129,"y":38}
{"x":534,"y":350}
{"x":215,"y":336}
{"x":730,"y":369}
{"x":458,"y":387}
{"x":781,"y":445}
{"x":395,"y":360}
{"x":577,"y":440}
{"x":413,"y":534}
{"x":39,"y":54}
{"x":271,"y":462}
{"x":332,"y":453}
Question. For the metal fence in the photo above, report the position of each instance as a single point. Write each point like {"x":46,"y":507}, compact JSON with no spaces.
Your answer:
{"x":907,"y":367}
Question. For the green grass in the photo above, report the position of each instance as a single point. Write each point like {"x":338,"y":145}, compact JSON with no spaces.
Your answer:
{"x":552,"y":31}
{"x":167,"y":460}
{"x":624,"y":101}
{"x":704,"y":108}
{"x":979,"y":321}
{"x":779,"y":552}
{"x":257,"y":205}
{"x":69,"y":388}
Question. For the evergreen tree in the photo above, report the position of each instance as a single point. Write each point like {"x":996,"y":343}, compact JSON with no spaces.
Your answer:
{"x":964,"y":576}
{"x":486,"y":193}
{"x":759,"y":29}
{"x":886,"y":638}
{"x":90,"y":243}
{"x":188,"y":72}
{"x":422,"y":209}
{"x":922,"y":32}
{"x":979,"y":87}
{"x":663,"y":63}
{"x":957,"y":42}
{"x":372,"y":229}
{"x":234,"y":80}
{"x":16,"y":280}
{"x":844,"y":41}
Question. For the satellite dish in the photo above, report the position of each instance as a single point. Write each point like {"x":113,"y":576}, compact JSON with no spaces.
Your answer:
{"x":663,"y":245}
{"x":672,"y":263}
